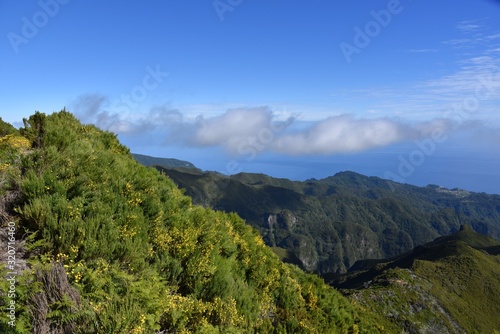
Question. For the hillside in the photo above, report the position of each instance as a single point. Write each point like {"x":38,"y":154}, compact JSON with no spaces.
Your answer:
{"x":103,"y":244}
{"x":147,"y":160}
{"x":450,"y":285}
{"x":331,"y":223}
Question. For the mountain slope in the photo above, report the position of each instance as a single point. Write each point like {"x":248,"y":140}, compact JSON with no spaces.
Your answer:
{"x":105,"y":245}
{"x":450,"y":285}
{"x":147,"y":160}
{"x":331,"y":223}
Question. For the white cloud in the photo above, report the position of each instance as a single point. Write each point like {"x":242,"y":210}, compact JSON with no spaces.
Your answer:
{"x":87,"y":106}
{"x":422,"y":50}
{"x":346,"y":134}
{"x":230,"y":128}
{"x":458,"y":41}
{"x":465,"y":81}
{"x":474,"y":34}
{"x":470,"y":84}
{"x":340,"y":134}
{"x":469,"y":26}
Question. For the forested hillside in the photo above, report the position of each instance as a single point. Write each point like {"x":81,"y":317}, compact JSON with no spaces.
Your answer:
{"x":105,"y":245}
{"x":326,"y":225}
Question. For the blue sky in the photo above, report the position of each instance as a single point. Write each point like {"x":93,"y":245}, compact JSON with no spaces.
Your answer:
{"x":407,"y":90}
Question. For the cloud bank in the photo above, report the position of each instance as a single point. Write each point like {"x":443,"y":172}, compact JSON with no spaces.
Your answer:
{"x":340,"y":134}
{"x":347,"y":134}
{"x":232,"y":127}
{"x":243,"y":130}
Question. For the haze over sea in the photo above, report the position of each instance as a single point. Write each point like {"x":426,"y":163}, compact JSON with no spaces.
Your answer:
{"x":471,"y":171}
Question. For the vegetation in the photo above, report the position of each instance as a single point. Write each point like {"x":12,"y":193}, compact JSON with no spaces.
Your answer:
{"x":6,"y":128}
{"x":450,"y":285}
{"x":105,"y":245}
{"x":330,"y":224}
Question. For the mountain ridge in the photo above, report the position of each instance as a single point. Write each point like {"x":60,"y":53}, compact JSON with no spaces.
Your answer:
{"x":385,"y":218}
{"x":147,"y":160}
{"x":375,"y":181}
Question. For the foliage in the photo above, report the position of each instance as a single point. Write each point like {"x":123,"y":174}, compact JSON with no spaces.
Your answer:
{"x":34,"y":129}
{"x":6,"y":128}
{"x":131,"y":254}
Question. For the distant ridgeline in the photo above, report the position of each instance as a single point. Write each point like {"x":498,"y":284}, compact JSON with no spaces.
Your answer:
{"x":94,"y":242}
{"x":326,"y":225}
{"x":165,"y":162}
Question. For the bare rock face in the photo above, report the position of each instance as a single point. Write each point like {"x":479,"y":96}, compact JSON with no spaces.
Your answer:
{"x":272,"y":221}
{"x":285,"y":219}
{"x":308,"y":255}
{"x":56,"y":289}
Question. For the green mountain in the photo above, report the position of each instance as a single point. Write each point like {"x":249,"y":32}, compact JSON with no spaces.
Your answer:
{"x":326,"y":225}
{"x":450,"y":285}
{"x":147,"y":160}
{"x":98,"y":243}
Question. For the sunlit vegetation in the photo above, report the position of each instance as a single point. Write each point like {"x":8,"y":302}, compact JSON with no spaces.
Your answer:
{"x":114,"y":247}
